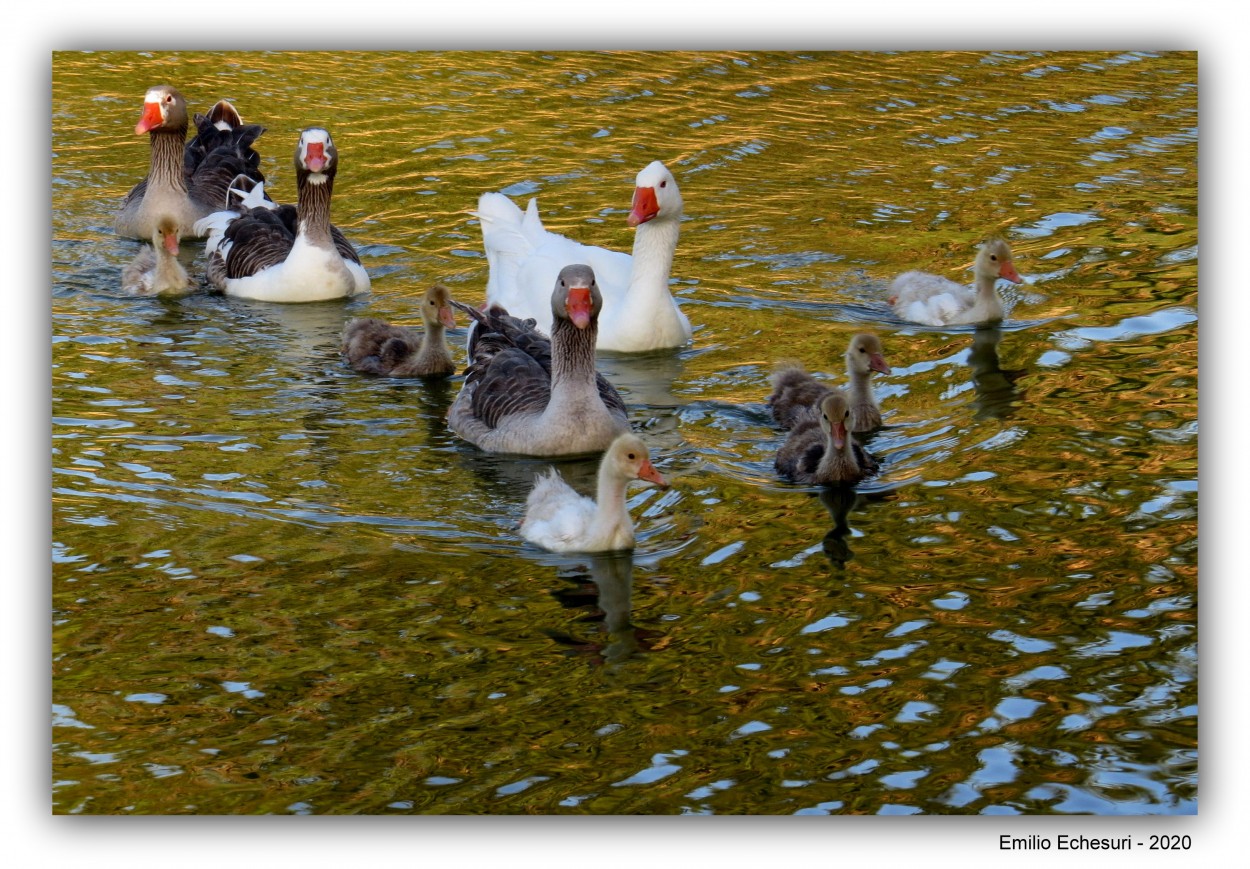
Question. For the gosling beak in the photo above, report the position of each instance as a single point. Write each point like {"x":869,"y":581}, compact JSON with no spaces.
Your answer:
{"x":645,"y":206}
{"x":838,"y":431}
{"x":648,"y":472}
{"x":877,"y":363}
{"x":170,"y":240}
{"x":1008,"y":271}
{"x":446,"y":317}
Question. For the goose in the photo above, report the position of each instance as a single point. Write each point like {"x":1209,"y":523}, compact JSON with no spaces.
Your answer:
{"x":936,"y":301}
{"x":186,"y":180}
{"x":559,"y":519}
{"x":795,"y":390}
{"x":156,"y":269}
{"x":524,"y":393}
{"x":640,"y":312}
{"x":820,"y":451}
{"x":371,"y":346}
{"x":285,"y":254}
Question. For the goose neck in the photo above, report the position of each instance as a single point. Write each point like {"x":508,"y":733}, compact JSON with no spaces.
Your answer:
{"x":314,"y":208}
{"x":654,"y":245}
{"x":166,"y":170}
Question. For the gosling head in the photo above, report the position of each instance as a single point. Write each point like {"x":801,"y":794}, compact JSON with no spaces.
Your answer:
{"x":629,"y":458}
{"x":866,"y":354}
{"x":835,"y":416}
{"x":436,"y":307}
{"x":994,"y":262}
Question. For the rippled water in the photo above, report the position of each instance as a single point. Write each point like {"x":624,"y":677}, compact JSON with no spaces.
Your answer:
{"x":279,"y":586}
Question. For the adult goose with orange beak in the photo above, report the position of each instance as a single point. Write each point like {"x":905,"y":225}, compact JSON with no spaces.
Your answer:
{"x":526,"y":394}
{"x":186,"y":180}
{"x":284,"y":254}
{"x":640,"y":311}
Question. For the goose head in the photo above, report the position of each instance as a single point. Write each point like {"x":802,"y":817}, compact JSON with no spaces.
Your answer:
{"x":834,"y":415}
{"x":628,"y":459}
{"x":316,"y":158}
{"x":163,"y":109}
{"x":994,"y":262}
{"x":436,"y":307}
{"x":576,"y":296}
{"x":167,"y":235}
{"x":866,"y":354}
{"x":655,"y":195}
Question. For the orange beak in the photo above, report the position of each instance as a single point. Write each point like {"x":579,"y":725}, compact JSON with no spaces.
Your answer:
{"x":170,"y":240}
{"x":1008,"y":271}
{"x":315,"y":157}
{"x":644,"y":208}
{"x":151,"y":118}
{"x":877,"y":363}
{"x":446,"y":317}
{"x":839,"y":434}
{"x":651,"y":475}
{"x":578,"y":304}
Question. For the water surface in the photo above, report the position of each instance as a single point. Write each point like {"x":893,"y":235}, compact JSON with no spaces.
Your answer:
{"x":281,"y":587}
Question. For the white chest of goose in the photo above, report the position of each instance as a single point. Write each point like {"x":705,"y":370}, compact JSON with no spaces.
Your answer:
{"x":282,"y":254}
{"x":640,"y":313}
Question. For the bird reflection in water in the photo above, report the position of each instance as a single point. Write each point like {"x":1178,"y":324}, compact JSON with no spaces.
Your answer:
{"x":995,"y":387}
{"x":839,"y":501}
{"x":612,"y":575}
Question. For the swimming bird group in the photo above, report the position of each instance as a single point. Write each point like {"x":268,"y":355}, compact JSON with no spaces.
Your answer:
{"x":530,"y":385}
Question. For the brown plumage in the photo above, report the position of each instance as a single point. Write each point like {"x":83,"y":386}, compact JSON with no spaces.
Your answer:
{"x":820,"y":451}
{"x":372,"y":346}
{"x":795,"y":390}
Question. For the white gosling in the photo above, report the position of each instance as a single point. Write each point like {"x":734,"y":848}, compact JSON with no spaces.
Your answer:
{"x":559,"y":519}
{"x":936,"y":301}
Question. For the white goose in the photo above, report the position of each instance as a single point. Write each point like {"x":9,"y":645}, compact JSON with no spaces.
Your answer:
{"x":640,"y":313}
{"x":526,"y":394}
{"x":156,"y":269}
{"x":186,"y":180}
{"x":559,"y":519}
{"x":935,"y":301}
{"x":285,"y":254}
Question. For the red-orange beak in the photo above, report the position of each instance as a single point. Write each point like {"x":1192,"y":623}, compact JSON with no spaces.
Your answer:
{"x":446,"y":317}
{"x":315,"y":157}
{"x":151,"y":118}
{"x":578,"y":304}
{"x":877,"y":363}
{"x":1008,"y":271}
{"x":170,"y":240}
{"x":648,"y":472}
{"x":838,"y":430}
{"x":645,"y":207}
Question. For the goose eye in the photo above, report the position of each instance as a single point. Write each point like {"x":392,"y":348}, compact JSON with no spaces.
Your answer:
{"x":631,"y":457}
{"x":663,"y":183}
{"x":862,"y":350}
{"x":994,"y":257}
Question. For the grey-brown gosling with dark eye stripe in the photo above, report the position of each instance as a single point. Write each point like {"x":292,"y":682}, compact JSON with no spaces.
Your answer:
{"x":794,"y":389}
{"x":372,"y":346}
{"x":820,"y":450}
